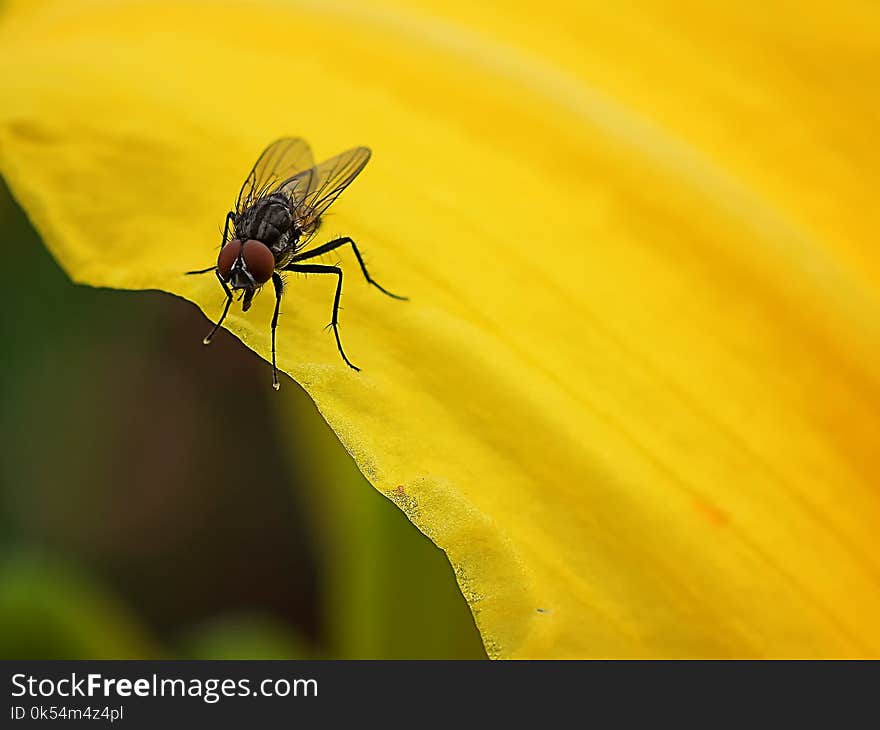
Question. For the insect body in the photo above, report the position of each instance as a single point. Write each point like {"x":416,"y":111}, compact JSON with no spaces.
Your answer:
{"x":277,"y":213}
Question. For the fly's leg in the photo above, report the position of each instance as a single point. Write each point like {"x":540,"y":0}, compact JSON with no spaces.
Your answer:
{"x":345,"y":241}
{"x":321,"y":269}
{"x":207,"y":340}
{"x":279,"y":290}
{"x":230,"y":216}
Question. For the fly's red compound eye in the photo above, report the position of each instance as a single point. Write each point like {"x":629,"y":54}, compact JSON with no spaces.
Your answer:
{"x":228,"y":255}
{"x":259,"y":260}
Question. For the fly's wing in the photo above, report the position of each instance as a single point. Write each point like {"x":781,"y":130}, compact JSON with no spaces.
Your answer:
{"x":313,"y":191}
{"x":281,"y":160}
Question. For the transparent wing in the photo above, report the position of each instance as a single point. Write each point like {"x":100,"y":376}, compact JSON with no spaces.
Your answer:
{"x":280,"y":161}
{"x":314,"y":190}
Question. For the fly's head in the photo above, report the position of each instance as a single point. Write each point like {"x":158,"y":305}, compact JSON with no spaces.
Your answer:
{"x":245,"y":265}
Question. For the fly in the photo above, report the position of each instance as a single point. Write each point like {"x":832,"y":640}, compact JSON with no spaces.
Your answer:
{"x":277,"y":213}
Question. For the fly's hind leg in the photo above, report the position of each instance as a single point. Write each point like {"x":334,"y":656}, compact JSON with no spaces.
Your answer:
{"x":337,"y":243}
{"x":334,"y":322}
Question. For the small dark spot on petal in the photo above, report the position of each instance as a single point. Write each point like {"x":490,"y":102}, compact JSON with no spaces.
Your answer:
{"x":31,"y":131}
{"x":711,"y":512}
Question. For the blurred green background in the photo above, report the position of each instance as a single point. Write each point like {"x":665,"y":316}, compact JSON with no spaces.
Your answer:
{"x":155,"y":502}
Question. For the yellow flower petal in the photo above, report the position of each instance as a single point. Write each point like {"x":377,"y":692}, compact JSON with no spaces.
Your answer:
{"x":635,"y":394}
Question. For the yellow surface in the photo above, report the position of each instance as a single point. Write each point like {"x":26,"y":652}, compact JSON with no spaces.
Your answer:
{"x":635,"y":394}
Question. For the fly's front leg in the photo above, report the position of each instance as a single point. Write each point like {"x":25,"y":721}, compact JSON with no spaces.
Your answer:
{"x":207,"y":340}
{"x":334,"y":323}
{"x":230,"y":216}
{"x":279,"y":290}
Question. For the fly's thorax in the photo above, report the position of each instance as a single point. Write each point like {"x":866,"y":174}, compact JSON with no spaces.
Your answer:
{"x":266,"y":220}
